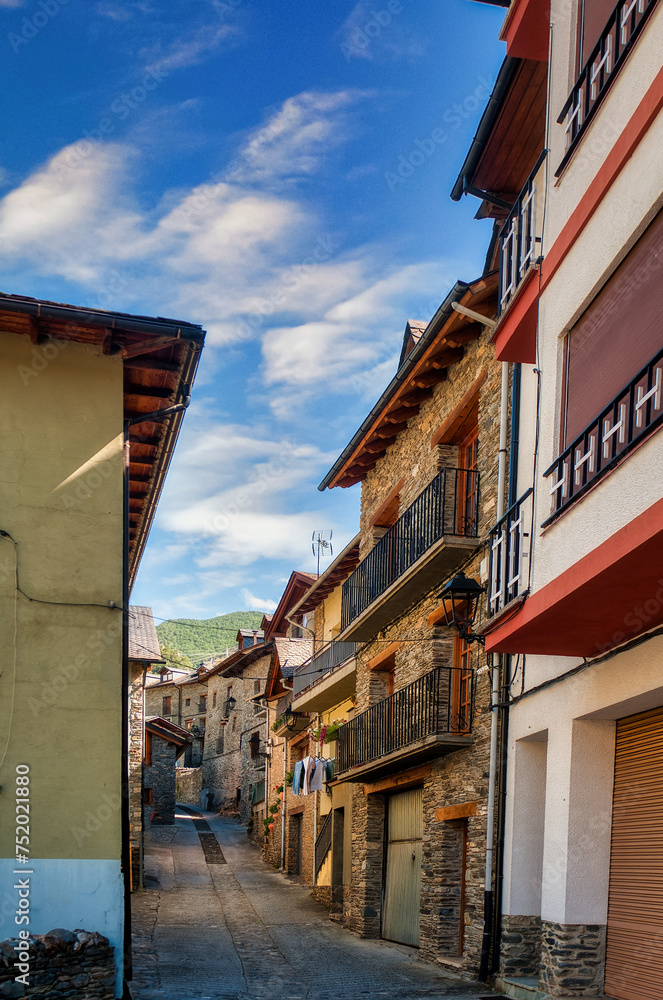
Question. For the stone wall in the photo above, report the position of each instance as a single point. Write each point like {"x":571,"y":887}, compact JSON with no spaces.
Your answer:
{"x":62,"y":964}
{"x":188,"y":785}
{"x":520,"y":946}
{"x":572,"y":959}
{"x":160,"y":777}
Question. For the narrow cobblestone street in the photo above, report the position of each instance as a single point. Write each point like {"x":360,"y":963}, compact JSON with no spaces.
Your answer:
{"x":222,"y":924}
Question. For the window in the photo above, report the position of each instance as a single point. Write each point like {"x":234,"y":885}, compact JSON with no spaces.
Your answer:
{"x":220,"y":741}
{"x":592,"y":18}
{"x":148,"y":749}
{"x":616,"y":336}
{"x":187,"y":702}
{"x":202,"y":705}
{"x":254,"y":745}
{"x":165,"y":705}
{"x":461,"y":687}
{"x":147,"y":796}
{"x":214,"y":700}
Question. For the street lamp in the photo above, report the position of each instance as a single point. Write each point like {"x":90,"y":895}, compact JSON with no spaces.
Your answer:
{"x":461,"y":600}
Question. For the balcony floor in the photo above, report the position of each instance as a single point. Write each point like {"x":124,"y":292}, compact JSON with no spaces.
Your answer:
{"x":430,"y":569}
{"x":330,"y":690}
{"x":416,"y":753}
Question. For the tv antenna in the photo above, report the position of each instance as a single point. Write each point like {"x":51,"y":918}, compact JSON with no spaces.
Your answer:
{"x":321,"y":544}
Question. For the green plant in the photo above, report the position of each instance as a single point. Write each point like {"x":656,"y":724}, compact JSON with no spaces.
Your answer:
{"x":289,"y":776}
{"x":277,"y":725}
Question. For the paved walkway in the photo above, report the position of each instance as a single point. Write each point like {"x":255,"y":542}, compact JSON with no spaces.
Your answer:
{"x":224,"y":925}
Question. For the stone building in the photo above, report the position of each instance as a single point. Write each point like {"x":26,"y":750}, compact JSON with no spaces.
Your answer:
{"x":238,"y":757}
{"x":576,"y":591}
{"x":164,"y":744}
{"x":415,"y":755}
{"x":324,"y":694}
{"x":181,"y":698}
{"x":144,"y":652}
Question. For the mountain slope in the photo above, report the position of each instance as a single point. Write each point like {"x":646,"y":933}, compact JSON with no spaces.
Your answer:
{"x":198,"y":639}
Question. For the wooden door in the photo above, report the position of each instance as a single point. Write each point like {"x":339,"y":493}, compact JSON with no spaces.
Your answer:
{"x":402,"y":890}
{"x":468,"y":451}
{"x":635,"y":900}
{"x":461,"y":687}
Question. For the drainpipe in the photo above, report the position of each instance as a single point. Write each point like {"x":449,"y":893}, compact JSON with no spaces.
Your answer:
{"x":495,"y":700}
{"x":124,"y":694}
{"x":315,"y":830}
{"x":285,"y":746}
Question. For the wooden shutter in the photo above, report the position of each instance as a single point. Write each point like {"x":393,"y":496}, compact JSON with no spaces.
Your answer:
{"x":618,"y":334}
{"x":635,"y":902}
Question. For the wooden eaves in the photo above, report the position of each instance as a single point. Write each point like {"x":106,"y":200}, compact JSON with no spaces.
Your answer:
{"x":159,"y":358}
{"x":440,"y":346}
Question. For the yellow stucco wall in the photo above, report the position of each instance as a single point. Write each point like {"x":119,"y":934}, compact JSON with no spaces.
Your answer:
{"x":61,"y":500}
{"x":332,"y":613}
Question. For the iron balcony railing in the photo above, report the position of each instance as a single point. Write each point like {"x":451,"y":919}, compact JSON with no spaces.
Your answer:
{"x":634,"y":413}
{"x":327,"y":660}
{"x":441,"y":702}
{"x":608,"y":55}
{"x":448,"y":506}
{"x":509,"y":554}
{"x":519,"y":242}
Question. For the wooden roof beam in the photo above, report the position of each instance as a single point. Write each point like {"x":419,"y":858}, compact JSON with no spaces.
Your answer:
{"x":418,"y":396}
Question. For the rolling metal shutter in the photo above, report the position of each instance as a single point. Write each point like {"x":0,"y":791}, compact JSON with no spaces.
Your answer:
{"x":635,"y":903}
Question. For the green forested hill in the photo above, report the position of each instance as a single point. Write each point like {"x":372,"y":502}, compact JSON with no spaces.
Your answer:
{"x":199,"y":639}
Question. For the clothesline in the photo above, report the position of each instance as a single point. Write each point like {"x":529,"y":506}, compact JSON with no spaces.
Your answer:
{"x":310,"y":775}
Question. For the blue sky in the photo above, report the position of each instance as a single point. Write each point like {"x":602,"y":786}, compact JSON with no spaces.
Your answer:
{"x":278,"y":172}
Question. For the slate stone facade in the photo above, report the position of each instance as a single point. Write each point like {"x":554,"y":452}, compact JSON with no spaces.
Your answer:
{"x":159,"y":776}
{"x":521,"y":946}
{"x":453,"y":851}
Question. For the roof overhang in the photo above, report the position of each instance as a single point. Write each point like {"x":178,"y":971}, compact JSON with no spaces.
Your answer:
{"x":159,"y":359}
{"x":509,"y":138}
{"x":295,"y":588}
{"x":440,"y":346}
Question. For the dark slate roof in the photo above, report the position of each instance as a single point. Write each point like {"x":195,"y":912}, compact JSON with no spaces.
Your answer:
{"x":292,"y":653}
{"x":143,"y":640}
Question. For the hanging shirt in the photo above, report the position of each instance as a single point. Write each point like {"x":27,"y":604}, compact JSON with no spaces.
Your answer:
{"x":308,"y":765}
{"x":297,"y":779}
{"x":317,"y":776}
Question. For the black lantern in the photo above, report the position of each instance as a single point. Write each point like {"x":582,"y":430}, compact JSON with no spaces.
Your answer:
{"x":461,"y":600}
{"x":229,"y":705}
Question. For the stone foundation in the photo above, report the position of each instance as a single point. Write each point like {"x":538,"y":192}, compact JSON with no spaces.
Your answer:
{"x":520,"y":946}
{"x":323,"y":894}
{"x":63,"y":964}
{"x":572,"y":959}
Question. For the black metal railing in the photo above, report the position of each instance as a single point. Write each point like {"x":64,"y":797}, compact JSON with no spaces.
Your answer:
{"x":327,"y":660}
{"x":448,"y":506}
{"x":440,"y":702}
{"x":634,"y":412}
{"x":509,"y":554}
{"x":610,"y":52}
{"x":519,"y":242}
{"x":323,"y":842}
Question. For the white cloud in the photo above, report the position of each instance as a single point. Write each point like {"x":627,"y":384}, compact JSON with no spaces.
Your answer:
{"x":254,"y":603}
{"x":374,"y":33}
{"x":297,"y":138}
{"x":187,"y":51}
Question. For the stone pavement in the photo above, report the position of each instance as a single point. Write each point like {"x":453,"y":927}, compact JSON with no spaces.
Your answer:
{"x":223,"y":925}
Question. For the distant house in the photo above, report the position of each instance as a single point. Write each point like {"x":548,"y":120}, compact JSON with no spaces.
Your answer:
{"x":164,"y":744}
{"x":180,"y":697}
{"x":144,"y":651}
